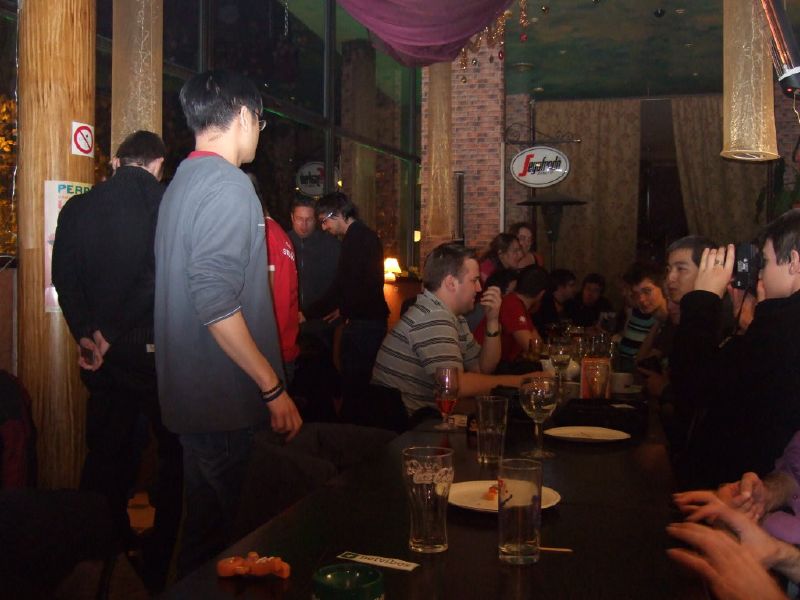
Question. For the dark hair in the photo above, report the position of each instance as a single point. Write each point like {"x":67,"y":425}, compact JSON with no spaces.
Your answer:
{"x":532,"y":280}
{"x":595,"y":278}
{"x":336,"y":203}
{"x":695,"y":243}
{"x":784,"y":233}
{"x":499,"y":245}
{"x":445,"y":259}
{"x":303,"y":201}
{"x":559,"y":277}
{"x":516,"y":227}
{"x":214,"y":98}
{"x":502,"y":278}
{"x":641,"y":270}
{"x":141,"y":148}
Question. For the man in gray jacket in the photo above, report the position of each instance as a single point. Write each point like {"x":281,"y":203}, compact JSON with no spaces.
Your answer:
{"x":218,"y":355}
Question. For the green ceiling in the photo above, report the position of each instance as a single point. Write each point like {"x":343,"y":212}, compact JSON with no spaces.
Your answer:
{"x":614,"y":48}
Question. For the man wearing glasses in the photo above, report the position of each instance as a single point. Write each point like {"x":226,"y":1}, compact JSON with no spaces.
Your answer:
{"x":357,"y":291}
{"x":218,"y":354}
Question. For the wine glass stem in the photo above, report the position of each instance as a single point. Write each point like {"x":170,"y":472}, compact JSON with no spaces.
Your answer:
{"x":537,"y":435}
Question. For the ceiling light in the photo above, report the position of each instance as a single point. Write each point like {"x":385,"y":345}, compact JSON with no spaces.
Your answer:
{"x":680,"y":11}
{"x":562,"y":51}
{"x":688,"y":44}
{"x":522,"y":67}
{"x":695,"y":74}
{"x":538,"y":89}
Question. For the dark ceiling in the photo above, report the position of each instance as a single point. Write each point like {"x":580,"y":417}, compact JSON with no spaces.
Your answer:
{"x":615,"y":48}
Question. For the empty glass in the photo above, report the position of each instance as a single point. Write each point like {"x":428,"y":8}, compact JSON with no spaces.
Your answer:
{"x":537,"y":395}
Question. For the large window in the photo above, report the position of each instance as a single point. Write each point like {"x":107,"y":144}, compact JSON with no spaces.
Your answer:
{"x":336,"y":106}
{"x":8,"y":127}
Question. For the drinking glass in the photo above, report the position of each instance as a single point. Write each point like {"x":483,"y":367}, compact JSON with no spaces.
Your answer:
{"x":561,"y":349}
{"x":492,"y":419}
{"x":537,"y":395}
{"x":596,"y":379}
{"x":446,"y":391}
{"x":428,"y":474}
{"x":519,"y":510}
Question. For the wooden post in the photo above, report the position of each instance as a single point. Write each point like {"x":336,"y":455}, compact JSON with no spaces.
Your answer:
{"x":136,"y":68}
{"x":56,"y":87}
{"x":438,"y":201}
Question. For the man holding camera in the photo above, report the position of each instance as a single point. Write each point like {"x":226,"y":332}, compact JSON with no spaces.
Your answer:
{"x":746,"y":391}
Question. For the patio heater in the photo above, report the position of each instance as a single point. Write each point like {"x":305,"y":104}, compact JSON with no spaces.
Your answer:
{"x":552,"y":205}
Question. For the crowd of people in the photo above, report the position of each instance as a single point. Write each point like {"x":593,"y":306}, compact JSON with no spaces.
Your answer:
{"x":197,"y":316}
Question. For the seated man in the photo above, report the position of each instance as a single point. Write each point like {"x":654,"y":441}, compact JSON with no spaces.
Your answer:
{"x":562,"y":290}
{"x":649,"y":307}
{"x":746,"y":393}
{"x":515,"y":310}
{"x":433,"y":333}
{"x":585,"y":309}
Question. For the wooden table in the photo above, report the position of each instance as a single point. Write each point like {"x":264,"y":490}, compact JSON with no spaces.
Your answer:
{"x":614,"y":508}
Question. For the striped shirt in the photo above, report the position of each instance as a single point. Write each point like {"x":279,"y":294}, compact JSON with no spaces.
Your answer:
{"x":636,"y":330}
{"x":427,"y":336}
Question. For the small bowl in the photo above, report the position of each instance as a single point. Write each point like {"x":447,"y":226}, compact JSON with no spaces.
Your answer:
{"x":348,"y":581}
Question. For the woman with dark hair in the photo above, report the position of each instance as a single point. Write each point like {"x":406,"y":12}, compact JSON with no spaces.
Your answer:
{"x":504,"y":252}
{"x":524,"y":233}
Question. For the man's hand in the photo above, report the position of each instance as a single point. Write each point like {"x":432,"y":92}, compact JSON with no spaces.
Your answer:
{"x":491,"y":300}
{"x":749,"y":495}
{"x":284,"y":416}
{"x":100,"y":341}
{"x":715,"y":270}
{"x":655,"y":383}
{"x":728,"y":566}
{"x":89,"y":356}
{"x":331,"y":316}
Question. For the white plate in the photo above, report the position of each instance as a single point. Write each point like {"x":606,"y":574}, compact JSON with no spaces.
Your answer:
{"x":470,"y":494}
{"x":586,"y":434}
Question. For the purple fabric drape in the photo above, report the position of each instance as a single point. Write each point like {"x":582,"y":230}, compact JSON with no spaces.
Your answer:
{"x":421,"y":32}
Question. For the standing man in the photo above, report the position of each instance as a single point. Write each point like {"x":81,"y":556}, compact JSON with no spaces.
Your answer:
{"x":316,"y":256}
{"x":217,"y":345}
{"x":357,"y":291}
{"x":103,"y":270}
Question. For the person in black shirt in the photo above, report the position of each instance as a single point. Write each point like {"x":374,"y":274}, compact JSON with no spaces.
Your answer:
{"x":552,"y":309}
{"x":585,"y":310}
{"x":357,"y":291}
{"x":104,"y":273}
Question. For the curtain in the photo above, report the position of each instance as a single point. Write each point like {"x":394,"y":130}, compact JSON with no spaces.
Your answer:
{"x":604,"y":170}
{"x":423,"y":32}
{"x":719,"y":195}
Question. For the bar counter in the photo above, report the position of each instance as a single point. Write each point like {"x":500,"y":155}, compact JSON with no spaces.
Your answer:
{"x":615,"y":504}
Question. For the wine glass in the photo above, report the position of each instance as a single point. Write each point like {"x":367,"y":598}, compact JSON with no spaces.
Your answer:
{"x":561,"y":349}
{"x":537,"y":395}
{"x":446,"y":393}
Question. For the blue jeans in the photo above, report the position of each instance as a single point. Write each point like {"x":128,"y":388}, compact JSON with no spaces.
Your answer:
{"x":214,"y":467}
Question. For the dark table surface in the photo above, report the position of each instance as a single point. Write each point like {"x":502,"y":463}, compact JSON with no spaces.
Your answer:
{"x":614,"y":508}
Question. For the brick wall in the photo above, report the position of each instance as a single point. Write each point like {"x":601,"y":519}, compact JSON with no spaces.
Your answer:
{"x":477,"y":129}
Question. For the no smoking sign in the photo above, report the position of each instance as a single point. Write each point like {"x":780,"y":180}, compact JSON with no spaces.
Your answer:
{"x":82,"y":139}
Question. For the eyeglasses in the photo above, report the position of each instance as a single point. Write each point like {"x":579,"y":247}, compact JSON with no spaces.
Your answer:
{"x":326,"y":217}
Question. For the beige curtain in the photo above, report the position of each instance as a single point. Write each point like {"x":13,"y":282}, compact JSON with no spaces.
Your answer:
{"x":604,"y":170}
{"x":719,"y":195}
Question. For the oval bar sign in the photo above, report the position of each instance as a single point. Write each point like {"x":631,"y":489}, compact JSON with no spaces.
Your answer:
{"x":540,"y":166}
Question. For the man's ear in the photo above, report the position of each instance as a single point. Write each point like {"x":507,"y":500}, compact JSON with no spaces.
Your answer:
{"x":114,"y":163}
{"x":449,"y":283}
{"x":794,"y":263}
{"x":156,"y":168}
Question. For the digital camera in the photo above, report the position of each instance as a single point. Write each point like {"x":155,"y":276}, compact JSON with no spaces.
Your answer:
{"x":748,"y":264}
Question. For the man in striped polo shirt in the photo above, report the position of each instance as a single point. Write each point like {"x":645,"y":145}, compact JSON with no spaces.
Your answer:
{"x":649,"y":306}
{"x":433,"y":333}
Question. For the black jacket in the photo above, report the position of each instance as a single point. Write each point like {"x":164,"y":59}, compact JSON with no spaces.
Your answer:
{"x":316,"y":257}
{"x":744,"y":394}
{"x":357,"y":289}
{"x":103,"y":262}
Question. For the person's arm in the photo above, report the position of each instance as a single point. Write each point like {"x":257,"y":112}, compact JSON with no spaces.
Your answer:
{"x":491,"y":350}
{"x":234,"y":338}
{"x":478,"y":384}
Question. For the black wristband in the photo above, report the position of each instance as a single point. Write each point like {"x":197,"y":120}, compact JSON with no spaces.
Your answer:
{"x":492,"y":333}
{"x":270,"y":395}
